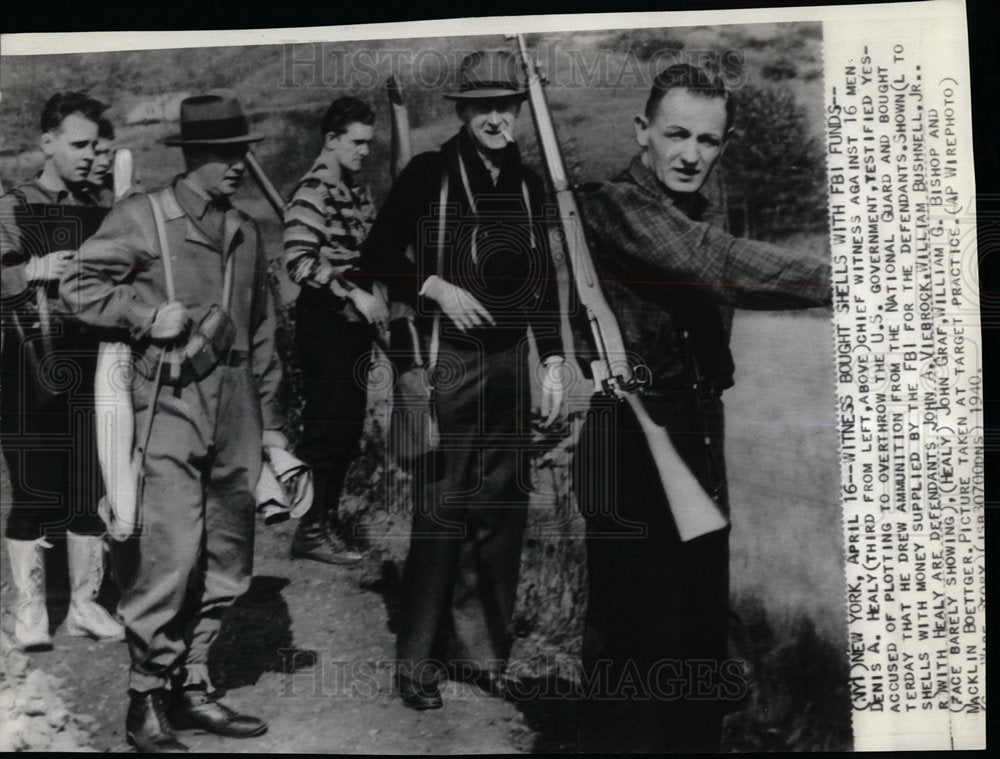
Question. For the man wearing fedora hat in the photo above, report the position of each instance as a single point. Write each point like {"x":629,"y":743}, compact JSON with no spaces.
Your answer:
{"x":181,"y":275}
{"x":494,"y":279}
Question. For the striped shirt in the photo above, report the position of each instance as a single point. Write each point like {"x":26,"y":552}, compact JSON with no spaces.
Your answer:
{"x":325,"y":224}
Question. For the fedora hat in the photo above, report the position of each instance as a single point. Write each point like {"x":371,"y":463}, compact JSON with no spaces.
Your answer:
{"x":214,"y":118}
{"x":489,"y":74}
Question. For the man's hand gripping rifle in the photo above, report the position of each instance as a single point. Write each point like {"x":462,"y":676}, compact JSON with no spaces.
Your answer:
{"x":694,"y":512}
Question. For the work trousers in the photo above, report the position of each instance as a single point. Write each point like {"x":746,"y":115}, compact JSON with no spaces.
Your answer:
{"x":470,"y":509}
{"x":194,"y":553}
{"x":50,"y":445}
{"x":335,"y":356}
{"x":654,"y":671}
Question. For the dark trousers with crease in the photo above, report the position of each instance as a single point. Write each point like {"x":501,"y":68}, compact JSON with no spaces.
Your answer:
{"x":334,"y":355}
{"x":654,"y":671}
{"x":470,"y":510}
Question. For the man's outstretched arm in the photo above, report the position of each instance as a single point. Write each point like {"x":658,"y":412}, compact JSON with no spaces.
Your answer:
{"x":656,"y":242}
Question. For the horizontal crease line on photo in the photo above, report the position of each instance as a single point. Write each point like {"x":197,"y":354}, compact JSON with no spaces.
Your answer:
{"x":672,"y":283}
{"x":497,"y":277}
{"x":763,"y":423}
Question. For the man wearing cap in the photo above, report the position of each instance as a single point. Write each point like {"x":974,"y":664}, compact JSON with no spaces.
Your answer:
{"x":493,"y":282}
{"x":181,"y":275}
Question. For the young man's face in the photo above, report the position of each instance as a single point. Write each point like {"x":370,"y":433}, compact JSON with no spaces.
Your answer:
{"x":351,"y":147}
{"x":684,"y":139}
{"x":217,"y":169}
{"x":70,"y":148}
{"x":101,"y":166}
{"x":490,"y":121}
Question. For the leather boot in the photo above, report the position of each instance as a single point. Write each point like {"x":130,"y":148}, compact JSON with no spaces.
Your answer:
{"x":313,"y":538}
{"x":146,"y":724}
{"x":417,"y":695}
{"x":86,"y":617}
{"x":31,"y":618}
{"x":195,"y":709}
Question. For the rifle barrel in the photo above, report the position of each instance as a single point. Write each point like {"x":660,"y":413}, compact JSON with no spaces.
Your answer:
{"x":264,"y":183}
{"x":402,"y":151}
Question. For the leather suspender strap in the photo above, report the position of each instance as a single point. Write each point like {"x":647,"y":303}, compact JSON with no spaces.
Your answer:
{"x":227,"y":281}
{"x":161,"y":234}
{"x":161,"y":239}
{"x":168,"y":274}
{"x":436,"y":329}
{"x":472,"y":204}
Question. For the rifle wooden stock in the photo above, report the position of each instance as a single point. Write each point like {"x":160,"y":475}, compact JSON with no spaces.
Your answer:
{"x":268,"y":189}
{"x":121,"y":173}
{"x":693,"y":511}
{"x":113,"y":414}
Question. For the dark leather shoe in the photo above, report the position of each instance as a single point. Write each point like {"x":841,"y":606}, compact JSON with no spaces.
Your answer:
{"x":194,"y":709}
{"x":319,"y":544}
{"x":417,"y":695}
{"x":147,"y":727}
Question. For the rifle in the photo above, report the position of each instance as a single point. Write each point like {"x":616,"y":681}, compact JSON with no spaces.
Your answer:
{"x":693,"y":511}
{"x":401,"y":149}
{"x":402,"y":152}
{"x":266,"y":186}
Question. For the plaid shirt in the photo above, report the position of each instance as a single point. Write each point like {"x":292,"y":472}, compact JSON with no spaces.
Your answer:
{"x":325,"y":224}
{"x":673,"y":279}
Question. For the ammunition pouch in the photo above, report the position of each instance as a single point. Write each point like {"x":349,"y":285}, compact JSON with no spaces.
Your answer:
{"x":210,"y":344}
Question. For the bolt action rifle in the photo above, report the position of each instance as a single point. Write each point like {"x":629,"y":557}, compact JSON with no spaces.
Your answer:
{"x":693,"y":511}
{"x":267,"y":188}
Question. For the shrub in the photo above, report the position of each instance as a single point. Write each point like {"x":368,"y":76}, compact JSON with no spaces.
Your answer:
{"x":645,"y":44}
{"x":774,"y":170}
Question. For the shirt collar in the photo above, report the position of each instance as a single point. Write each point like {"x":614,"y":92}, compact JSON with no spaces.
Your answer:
{"x":321,"y":170}
{"x":61,"y":195}
{"x":509,"y":179}
{"x":191,"y":197}
{"x":693,"y":204}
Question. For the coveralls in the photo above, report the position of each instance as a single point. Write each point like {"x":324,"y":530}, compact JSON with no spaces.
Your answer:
{"x":193,"y":555}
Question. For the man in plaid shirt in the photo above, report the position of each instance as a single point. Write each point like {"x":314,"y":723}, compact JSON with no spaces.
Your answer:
{"x":657,"y":606}
{"x":325,"y":223}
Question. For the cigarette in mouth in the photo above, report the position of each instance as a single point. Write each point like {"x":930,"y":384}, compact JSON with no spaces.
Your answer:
{"x":506,"y":135}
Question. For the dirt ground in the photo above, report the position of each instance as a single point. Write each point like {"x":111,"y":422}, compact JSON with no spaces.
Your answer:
{"x":307,"y":649}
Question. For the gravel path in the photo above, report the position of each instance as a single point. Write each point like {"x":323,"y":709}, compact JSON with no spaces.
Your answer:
{"x":307,"y":649}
